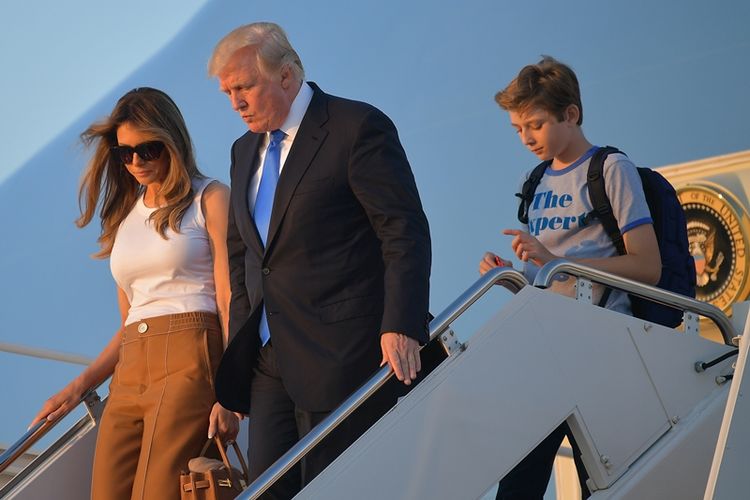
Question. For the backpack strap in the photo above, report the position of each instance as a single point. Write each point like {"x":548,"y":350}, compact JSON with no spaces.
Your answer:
{"x":602,"y":208}
{"x":528,"y":189}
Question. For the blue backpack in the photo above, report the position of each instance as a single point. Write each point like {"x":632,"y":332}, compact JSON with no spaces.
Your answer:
{"x":677,"y":266}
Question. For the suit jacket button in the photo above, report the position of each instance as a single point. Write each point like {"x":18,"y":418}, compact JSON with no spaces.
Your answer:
{"x":266,"y":271}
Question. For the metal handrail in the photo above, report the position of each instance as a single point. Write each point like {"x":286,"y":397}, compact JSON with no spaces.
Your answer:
{"x":81,"y":425}
{"x":23,"y":443}
{"x":546,"y":275}
{"x":40,"y":429}
{"x":507,"y":277}
{"x":35,"y":352}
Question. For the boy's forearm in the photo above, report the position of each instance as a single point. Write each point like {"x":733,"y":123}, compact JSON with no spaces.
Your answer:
{"x":645,"y":269}
{"x":642,"y":261}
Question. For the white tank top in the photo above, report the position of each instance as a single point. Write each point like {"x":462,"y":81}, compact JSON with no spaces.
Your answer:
{"x":164,"y":276}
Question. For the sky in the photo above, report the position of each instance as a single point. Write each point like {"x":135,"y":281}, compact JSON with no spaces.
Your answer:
{"x":665,"y":81}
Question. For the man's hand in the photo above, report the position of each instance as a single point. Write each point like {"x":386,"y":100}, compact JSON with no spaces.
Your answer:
{"x":402,"y":353}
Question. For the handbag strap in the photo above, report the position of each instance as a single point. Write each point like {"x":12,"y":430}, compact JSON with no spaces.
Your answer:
{"x":205,"y":448}
{"x":222,"y":451}
{"x":245,"y":471}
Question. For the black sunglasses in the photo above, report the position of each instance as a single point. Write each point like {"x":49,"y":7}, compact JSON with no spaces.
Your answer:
{"x":147,"y":151}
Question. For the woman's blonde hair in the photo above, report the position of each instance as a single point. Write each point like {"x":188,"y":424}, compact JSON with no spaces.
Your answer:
{"x":107,"y":184}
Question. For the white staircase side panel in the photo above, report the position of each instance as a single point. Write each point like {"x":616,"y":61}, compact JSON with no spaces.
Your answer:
{"x":541,"y":360}
{"x":676,"y":467}
{"x":731,"y":461}
{"x":64,"y":475}
{"x":678,"y":384}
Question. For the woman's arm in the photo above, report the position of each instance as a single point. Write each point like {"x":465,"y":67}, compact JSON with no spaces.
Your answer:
{"x":97,"y":372}
{"x":215,"y":202}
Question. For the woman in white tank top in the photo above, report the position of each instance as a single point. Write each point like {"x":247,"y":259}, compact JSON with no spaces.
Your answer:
{"x":164,"y":229}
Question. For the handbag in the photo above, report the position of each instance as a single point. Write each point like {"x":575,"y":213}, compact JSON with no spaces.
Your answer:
{"x":210,"y":479}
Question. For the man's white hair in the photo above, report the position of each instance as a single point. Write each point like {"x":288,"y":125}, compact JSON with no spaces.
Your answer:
{"x":273,"y":49}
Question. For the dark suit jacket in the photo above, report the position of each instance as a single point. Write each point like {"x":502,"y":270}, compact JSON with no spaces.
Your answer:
{"x":348,"y":256}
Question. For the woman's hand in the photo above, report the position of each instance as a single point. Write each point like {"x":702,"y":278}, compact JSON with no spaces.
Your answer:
{"x":59,"y":404}
{"x":223,"y":421}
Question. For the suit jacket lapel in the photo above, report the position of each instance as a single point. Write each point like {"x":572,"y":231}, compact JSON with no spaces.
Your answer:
{"x":308,"y":140}
{"x":246,"y":165}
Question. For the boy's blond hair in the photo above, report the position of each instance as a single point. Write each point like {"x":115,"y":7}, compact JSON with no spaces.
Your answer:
{"x":549,"y":85}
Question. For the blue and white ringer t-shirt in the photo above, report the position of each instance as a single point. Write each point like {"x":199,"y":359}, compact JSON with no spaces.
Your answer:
{"x":562,"y":200}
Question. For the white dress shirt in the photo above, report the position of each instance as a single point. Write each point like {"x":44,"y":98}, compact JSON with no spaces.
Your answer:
{"x":289,"y":127}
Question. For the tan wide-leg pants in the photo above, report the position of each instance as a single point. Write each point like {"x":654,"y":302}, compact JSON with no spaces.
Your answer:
{"x":156,"y":417}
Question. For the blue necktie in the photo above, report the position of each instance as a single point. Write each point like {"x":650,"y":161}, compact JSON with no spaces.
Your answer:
{"x":264,"y":205}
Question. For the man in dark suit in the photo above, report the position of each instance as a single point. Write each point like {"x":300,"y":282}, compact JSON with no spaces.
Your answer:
{"x":329,"y":258}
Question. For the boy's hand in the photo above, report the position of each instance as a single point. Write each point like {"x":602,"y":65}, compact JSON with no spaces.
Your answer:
{"x":528,"y":248}
{"x":490,"y":261}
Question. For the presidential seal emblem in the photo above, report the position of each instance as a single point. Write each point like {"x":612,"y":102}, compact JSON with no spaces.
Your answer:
{"x":717,"y":228}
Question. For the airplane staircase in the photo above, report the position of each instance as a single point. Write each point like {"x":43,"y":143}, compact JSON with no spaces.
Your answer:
{"x":644,"y":403}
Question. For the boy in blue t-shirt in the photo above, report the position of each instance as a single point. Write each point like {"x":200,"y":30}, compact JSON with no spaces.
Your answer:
{"x":544,"y":106}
